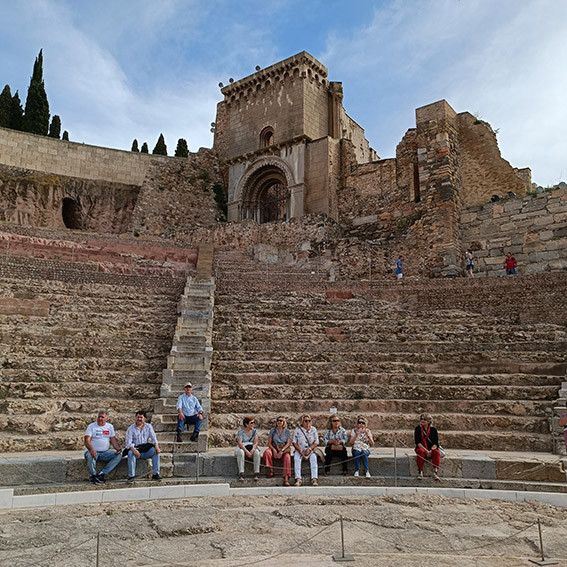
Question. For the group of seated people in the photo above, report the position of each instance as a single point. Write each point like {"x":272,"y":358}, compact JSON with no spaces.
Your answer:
{"x":303,"y":443}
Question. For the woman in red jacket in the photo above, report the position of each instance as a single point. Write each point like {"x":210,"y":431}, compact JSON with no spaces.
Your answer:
{"x":427,"y":445}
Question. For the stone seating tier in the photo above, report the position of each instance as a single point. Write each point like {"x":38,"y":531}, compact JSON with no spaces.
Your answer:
{"x":486,"y":359}
{"x":94,"y":345}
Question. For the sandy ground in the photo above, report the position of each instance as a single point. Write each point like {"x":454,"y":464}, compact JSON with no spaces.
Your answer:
{"x":299,"y":531}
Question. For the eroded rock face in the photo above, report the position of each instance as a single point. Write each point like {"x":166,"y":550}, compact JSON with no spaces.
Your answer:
{"x":46,"y":200}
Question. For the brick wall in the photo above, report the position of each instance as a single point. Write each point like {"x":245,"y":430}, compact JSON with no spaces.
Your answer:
{"x":533,"y":228}
{"x":40,"y":153}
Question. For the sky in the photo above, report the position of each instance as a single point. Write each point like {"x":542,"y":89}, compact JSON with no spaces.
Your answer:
{"x":116,"y":70}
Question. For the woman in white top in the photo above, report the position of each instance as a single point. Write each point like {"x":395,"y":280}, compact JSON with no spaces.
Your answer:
{"x":305,"y":439}
{"x":361,"y":441}
{"x":247,"y":442}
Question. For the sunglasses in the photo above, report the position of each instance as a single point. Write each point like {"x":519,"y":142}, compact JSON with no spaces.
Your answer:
{"x":362,"y":423}
{"x":335,"y":420}
{"x":251,"y":422}
{"x":306,"y":420}
{"x":279,"y":420}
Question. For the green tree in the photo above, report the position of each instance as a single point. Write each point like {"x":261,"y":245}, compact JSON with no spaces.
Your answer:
{"x":16,"y":113}
{"x":65,"y":136}
{"x":182,"y":150}
{"x":145,"y":149}
{"x":55,"y":127}
{"x":5,"y":107}
{"x":220,"y":199}
{"x":135,"y":146}
{"x":160,"y":148}
{"x":36,"y":115}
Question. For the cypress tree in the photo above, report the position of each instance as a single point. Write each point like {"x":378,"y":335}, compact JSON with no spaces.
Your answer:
{"x":182,"y":150}
{"x":135,"y":146}
{"x":145,"y":149}
{"x":65,"y":136}
{"x":17,"y":113}
{"x":160,"y":148}
{"x":36,"y":115}
{"x":55,"y":127}
{"x":5,"y":107}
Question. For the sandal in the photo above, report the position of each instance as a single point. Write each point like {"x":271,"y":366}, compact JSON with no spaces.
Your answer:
{"x":286,"y":482}
{"x":240,"y":478}
{"x":256,"y":477}
{"x":297,"y":482}
{"x":314,"y":482}
{"x":270,"y":474}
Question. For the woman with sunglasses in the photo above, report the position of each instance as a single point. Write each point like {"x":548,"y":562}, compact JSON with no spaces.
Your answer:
{"x":335,"y":441}
{"x":361,"y":441}
{"x":279,"y":447}
{"x":247,"y":442}
{"x":426,"y":440}
{"x":305,"y":440}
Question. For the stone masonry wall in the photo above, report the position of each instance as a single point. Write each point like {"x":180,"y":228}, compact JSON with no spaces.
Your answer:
{"x":483,"y":170}
{"x":41,"y":153}
{"x":532,"y":228}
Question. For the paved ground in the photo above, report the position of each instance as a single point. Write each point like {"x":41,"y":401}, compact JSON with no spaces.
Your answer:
{"x":299,"y":531}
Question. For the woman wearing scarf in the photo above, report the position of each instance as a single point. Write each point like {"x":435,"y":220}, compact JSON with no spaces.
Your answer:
{"x":427,"y":445}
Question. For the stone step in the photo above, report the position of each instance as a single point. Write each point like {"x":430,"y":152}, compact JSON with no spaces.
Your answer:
{"x":362,"y":374}
{"x":36,"y":364}
{"x":457,"y":420}
{"x":471,"y":440}
{"x":475,"y":361}
{"x":270,"y":408}
{"x":55,"y":374}
{"x":415,"y":392}
{"x":77,"y":391}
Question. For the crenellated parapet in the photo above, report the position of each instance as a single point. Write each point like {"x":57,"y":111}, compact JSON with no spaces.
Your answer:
{"x":302,"y":66}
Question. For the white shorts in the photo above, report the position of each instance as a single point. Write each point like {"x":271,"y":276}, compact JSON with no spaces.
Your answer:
{"x":399,"y":276}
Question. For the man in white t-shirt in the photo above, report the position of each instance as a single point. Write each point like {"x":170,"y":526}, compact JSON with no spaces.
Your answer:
{"x":99,"y":436}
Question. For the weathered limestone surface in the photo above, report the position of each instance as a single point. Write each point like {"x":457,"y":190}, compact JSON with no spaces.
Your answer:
{"x":488,"y":370}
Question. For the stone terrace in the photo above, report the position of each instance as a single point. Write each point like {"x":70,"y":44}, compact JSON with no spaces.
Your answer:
{"x":486,"y":358}
{"x":74,"y":339}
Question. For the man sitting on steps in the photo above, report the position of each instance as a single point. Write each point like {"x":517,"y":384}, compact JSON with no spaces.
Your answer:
{"x":98,"y":438}
{"x":189,"y":412}
{"x":141,"y":443}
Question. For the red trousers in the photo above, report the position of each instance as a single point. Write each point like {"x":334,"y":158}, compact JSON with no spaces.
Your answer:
{"x":286,"y":459}
{"x":421,"y":457}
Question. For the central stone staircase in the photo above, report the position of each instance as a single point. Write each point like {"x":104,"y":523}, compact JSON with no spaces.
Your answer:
{"x":484,"y":360}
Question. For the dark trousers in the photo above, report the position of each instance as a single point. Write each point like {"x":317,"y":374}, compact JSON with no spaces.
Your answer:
{"x":329,"y":454}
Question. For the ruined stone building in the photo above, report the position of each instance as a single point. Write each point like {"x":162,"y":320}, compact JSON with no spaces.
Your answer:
{"x":114,"y":266}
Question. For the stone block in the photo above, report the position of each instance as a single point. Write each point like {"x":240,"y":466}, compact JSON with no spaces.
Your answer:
{"x":33,"y":500}
{"x":85,"y":497}
{"x":6,"y":495}
{"x":160,"y":492}
{"x":126,"y":494}
{"x":16,"y":471}
{"x":478,"y":466}
{"x":552,"y":498}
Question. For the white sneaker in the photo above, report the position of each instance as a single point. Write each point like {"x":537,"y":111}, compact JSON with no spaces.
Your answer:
{"x":368,"y":475}
{"x":420,"y":475}
{"x":356,"y":473}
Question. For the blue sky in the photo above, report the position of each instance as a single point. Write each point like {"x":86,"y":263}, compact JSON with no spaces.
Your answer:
{"x":116,"y":70}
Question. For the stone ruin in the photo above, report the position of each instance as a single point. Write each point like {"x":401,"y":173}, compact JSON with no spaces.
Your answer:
{"x":120,"y":280}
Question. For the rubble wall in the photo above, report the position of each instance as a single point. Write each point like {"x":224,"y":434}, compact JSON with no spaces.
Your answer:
{"x":483,"y":170}
{"x":532,"y":228}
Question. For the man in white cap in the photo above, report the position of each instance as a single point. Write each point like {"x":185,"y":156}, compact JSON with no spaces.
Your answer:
{"x":189,"y":412}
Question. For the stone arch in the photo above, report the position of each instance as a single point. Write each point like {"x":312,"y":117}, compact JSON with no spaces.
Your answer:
{"x":72,"y":214}
{"x":267,"y":137}
{"x":263,"y":192}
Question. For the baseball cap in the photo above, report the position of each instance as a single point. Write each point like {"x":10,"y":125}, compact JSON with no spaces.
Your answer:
{"x":188,"y":385}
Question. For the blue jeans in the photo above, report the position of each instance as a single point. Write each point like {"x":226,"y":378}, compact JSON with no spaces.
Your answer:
{"x":110,"y":457}
{"x":151,"y":454}
{"x":360,"y":455}
{"x":189,"y":420}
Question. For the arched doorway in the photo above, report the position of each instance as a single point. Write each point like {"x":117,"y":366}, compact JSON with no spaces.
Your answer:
{"x":71,"y":212}
{"x":266,"y":196}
